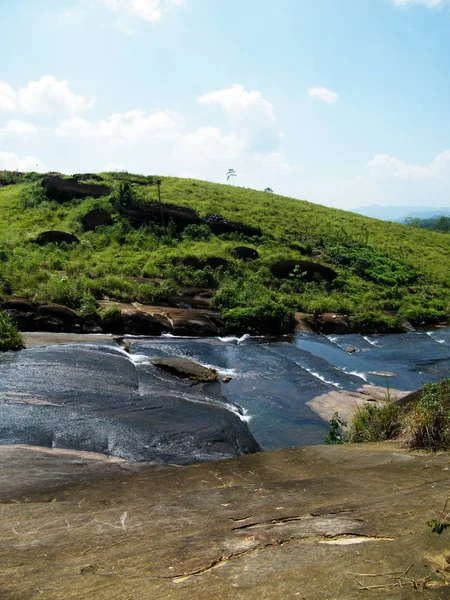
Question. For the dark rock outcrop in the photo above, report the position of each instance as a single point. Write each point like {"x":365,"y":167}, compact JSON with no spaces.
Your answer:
{"x":57,"y":318}
{"x":330,"y":323}
{"x":245,"y":253}
{"x":161,"y":214}
{"x":65,"y":190}
{"x":137,"y":322}
{"x":223,"y":226}
{"x":22,"y":311}
{"x":283,"y":269}
{"x":186,"y":369}
{"x":97,"y":217}
{"x":56,"y":237}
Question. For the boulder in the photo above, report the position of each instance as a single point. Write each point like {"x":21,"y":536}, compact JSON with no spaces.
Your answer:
{"x":245,"y":253}
{"x":65,"y":190}
{"x":331,"y":323}
{"x":195,"y":323}
{"x":220,"y":226}
{"x":56,"y":318}
{"x":186,"y":369}
{"x":56,"y":237}
{"x":284,"y":268}
{"x":22,"y":311}
{"x":161,"y":213}
{"x":97,"y":217}
{"x":137,"y":322}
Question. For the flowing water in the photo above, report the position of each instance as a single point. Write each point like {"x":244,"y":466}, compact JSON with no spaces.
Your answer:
{"x":271,"y":379}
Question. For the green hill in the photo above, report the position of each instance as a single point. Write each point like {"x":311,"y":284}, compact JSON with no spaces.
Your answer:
{"x":386,"y":272}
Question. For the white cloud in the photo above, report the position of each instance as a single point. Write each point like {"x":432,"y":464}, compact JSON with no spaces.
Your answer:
{"x":323,"y":94}
{"x":18,"y":128}
{"x":148,"y":10}
{"x":42,"y":96}
{"x":252,"y":118}
{"x":209,"y":142}
{"x":47,"y":93}
{"x":130,"y":126}
{"x":385,"y":165}
{"x":7,"y":97}
{"x":12,"y":162}
{"x":427,"y":3}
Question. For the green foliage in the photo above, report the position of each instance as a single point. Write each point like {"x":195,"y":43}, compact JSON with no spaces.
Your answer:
{"x":266,"y":317}
{"x":197,"y":232}
{"x":10,"y":336}
{"x":376,"y":322}
{"x":337,"y":434}
{"x":429,"y":421}
{"x":373,"y":265}
{"x":439,"y":223}
{"x":111,"y":261}
{"x":376,"y":422}
{"x":438,"y":526}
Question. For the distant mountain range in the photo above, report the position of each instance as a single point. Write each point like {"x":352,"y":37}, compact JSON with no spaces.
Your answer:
{"x":400,"y":213}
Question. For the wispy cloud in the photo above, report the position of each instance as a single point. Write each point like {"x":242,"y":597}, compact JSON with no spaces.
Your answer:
{"x":148,"y":10}
{"x":385,"y":165}
{"x":436,"y":4}
{"x":323,"y":94}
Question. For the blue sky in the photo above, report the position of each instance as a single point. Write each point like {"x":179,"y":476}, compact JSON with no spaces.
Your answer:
{"x":340,"y":102}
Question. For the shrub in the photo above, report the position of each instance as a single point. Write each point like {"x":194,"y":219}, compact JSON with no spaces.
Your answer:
{"x":268,"y":317}
{"x":62,"y":290}
{"x":376,"y":422}
{"x":429,"y":420}
{"x":375,"y":322}
{"x":10,"y":336}
{"x":373,"y":265}
{"x":197,"y":232}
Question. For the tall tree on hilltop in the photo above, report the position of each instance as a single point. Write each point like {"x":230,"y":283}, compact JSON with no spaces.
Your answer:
{"x":231,"y":173}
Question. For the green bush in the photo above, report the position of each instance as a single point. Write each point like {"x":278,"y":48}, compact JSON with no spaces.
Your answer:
{"x":268,"y":317}
{"x":376,"y":422}
{"x":197,"y":232}
{"x":429,"y":419}
{"x":10,"y":336}
{"x":373,"y":265}
{"x":375,"y":322}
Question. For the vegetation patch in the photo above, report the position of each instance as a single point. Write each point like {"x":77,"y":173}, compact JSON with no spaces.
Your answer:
{"x":377,"y":273}
{"x":10,"y":336}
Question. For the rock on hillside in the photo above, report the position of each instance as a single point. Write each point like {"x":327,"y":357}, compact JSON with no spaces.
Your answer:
{"x":64,"y":190}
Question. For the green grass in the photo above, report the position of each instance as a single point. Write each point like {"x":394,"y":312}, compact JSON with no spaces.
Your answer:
{"x":423,"y":424}
{"x":386,"y":271}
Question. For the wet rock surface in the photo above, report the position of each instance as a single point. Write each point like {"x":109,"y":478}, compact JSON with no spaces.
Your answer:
{"x":186,"y":369}
{"x":97,"y":398}
{"x":334,"y":523}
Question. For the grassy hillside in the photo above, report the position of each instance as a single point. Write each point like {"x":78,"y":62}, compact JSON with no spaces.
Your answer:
{"x":386,"y":271}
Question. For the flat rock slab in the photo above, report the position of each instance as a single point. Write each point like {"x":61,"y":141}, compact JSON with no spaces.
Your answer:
{"x":186,"y":369}
{"x":346,"y":403}
{"x":319,"y":523}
